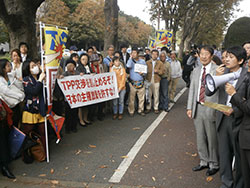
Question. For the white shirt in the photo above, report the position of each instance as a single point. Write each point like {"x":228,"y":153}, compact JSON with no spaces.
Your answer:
{"x":208,"y":68}
{"x":176,"y":70}
{"x":24,"y":56}
{"x":233,"y":82}
{"x":153,"y":69}
{"x":124,"y":57}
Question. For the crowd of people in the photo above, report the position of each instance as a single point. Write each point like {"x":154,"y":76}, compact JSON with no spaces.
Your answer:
{"x":23,"y":103}
{"x":222,"y":134}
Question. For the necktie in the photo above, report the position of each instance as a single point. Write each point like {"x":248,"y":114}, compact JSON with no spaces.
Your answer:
{"x":202,"y":89}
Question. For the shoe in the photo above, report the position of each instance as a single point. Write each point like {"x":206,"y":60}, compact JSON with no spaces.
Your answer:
{"x":142,"y":113}
{"x":87,"y":122}
{"x":74,"y":130}
{"x":6,"y":172}
{"x":172,"y":101}
{"x":211,"y":172}
{"x":115,"y":116}
{"x":120,"y":117}
{"x":83,"y":124}
{"x":166,"y":110}
{"x":199,"y":168}
{"x":147,"y":111}
{"x":131,"y":114}
{"x":157,"y":111}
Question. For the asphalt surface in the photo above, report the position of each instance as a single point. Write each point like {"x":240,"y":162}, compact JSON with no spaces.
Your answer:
{"x":90,"y":157}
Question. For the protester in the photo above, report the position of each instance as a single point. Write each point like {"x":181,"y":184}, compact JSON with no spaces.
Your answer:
{"x":109,"y":57}
{"x":148,"y":54}
{"x":75,"y":57}
{"x":124,"y":55}
{"x":16,"y":71}
{"x":228,"y":122}
{"x":176,"y":73}
{"x":100,"y":62}
{"x":204,"y":117}
{"x":142,"y":55}
{"x":118,"y":104}
{"x":73,"y":49}
{"x":168,"y":51}
{"x":136,"y":83}
{"x":155,"y":69}
{"x":23,"y":47}
{"x":216,"y":52}
{"x":165,"y":78}
{"x":10,"y":93}
{"x":84,"y":68}
{"x":5,"y":123}
{"x":71,"y":113}
{"x":244,"y":137}
{"x":94,"y":60}
{"x":216,"y":60}
{"x":90,"y":51}
{"x":34,"y":104}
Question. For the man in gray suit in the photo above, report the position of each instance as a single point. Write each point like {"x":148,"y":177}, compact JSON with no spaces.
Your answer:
{"x":204,"y":117}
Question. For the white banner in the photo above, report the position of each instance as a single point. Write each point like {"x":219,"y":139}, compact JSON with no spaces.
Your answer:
{"x":89,"y":89}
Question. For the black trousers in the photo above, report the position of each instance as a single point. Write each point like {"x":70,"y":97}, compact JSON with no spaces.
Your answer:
{"x":4,"y":144}
{"x":228,"y":139}
{"x":71,"y":117}
{"x":245,"y":166}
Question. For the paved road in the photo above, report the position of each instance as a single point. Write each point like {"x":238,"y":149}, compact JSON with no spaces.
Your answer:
{"x":91,"y":156}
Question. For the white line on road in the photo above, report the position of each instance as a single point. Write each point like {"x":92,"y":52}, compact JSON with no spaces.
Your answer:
{"x":123,"y":167}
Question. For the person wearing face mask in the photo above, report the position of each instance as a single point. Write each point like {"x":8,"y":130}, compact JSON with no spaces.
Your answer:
{"x":34,"y":103}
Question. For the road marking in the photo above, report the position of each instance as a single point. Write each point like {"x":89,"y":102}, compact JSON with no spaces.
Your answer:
{"x":123,"y":167}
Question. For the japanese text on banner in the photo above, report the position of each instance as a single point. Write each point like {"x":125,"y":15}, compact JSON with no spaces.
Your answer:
{"x":89,"y":89}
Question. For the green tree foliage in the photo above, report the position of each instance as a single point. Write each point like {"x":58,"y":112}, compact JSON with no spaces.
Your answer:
{"x":238,"y":32}
{"x":4,"y":36}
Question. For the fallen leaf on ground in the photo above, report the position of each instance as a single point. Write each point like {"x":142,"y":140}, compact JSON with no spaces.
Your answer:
{"x":55,"y":182}
{"x":153,"y":178}
{"x":66,"y":168}
{"x":14,"y":180}
{"x":42,"y":175}
{"x":136,"y":128}
{"x":24,"y":174}
{"x":194,"y":154}
{"x":92,"y":146}
{"x":164,"y":135}
{"x":125,"y":156}
{"x":52,"y":171}
{"x":209,"y":178}
{"x":78,"y":152}
{"x":88,"y":152}
{"x":93,"y":177}
{"x":146,"y":156}
{"x":162,"y":162}
{"x":103,"y":166}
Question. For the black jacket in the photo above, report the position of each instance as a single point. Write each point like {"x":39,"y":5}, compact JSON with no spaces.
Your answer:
{"x":243,"y":103}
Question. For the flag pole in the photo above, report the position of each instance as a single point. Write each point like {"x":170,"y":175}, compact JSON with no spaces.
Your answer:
{"x":42,"y":62}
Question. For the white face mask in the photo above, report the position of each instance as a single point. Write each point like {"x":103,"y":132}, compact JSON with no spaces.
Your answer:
{"x":35,"y":70}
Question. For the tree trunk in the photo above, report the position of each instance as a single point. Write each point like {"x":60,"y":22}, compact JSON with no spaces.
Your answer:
{"x":111,"y":24}
{"x":19,"y":17}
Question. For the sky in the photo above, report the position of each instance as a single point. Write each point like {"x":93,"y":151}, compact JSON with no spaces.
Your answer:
{"x":139,"y":8}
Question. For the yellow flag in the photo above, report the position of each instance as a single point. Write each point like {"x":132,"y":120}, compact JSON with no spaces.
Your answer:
{"x":164,"y":38}
{"x":55,"y":43}
{"x":151,"y":43}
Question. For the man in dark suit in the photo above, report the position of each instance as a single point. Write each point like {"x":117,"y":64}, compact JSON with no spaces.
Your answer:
{"x":228,"y":122}
{"x":244,"y":136}
{"x":124,"y":55}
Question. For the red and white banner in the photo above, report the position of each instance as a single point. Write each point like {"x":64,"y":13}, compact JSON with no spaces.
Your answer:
{"x":89,"y":89}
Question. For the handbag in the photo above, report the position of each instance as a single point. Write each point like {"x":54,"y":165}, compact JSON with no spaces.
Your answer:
{"x":10,"y":101}
{"x":37,"y":151}
{"x":16,"y":139}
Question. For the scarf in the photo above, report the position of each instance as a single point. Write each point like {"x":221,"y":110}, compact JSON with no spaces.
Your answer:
{"x":96,"y":69}
{"x":115,"y":67}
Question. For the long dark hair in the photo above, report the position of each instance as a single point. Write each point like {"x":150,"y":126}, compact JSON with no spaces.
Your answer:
{"x":83,"y":54}
{"x":18,"y":53}
{"x":3,"y":63}
{"x":26,"y":68}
